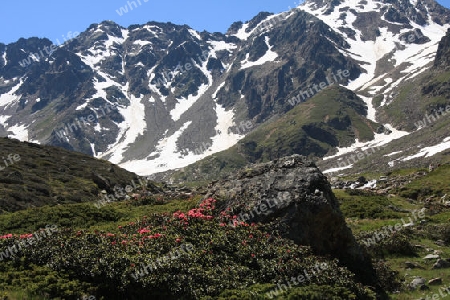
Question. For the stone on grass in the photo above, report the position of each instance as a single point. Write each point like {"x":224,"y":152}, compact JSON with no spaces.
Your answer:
{"x":417,"y":282}
{"x":440,"y":264}
{"x":431,"y":256}
{"x":435,"y":281}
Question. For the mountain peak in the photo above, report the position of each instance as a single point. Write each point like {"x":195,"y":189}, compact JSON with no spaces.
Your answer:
{"x":402,"y":12}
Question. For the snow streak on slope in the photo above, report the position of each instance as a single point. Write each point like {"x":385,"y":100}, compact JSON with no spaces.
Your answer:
{"x":371,"y":111}
{"x":4,"y":58}
{"x":214,"y":95}
{"x":195,"y":34}
{"x":265,"y":25}
{"x":169,"y":157}
{"x":430,"y":151}
{"x":129,"y":130}
{"x":166,"y":154}
{"x":378,"y":141}
{"x":267,"y":57}
{"x":10,"y":97}
{"x":332,"y":170}
{"x":184,"y":104}
{"x":100,"y":87}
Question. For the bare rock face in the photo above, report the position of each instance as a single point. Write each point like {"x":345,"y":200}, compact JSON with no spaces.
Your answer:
{"x":292,"y":194}
{"x":442,"y":59}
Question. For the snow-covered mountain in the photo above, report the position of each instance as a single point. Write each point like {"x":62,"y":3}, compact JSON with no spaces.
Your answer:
{"x":160,"y":96}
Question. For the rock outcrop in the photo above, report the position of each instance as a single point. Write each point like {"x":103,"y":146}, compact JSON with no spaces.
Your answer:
{"x":292,"y":194}
{"x":442,"y":59}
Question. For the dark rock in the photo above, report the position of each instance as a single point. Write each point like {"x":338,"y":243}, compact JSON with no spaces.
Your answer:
{"x":362,"y":180}
{"x":411,"y":265}
{"x":435,"y":281}
{"x":442,"y":59}
{"x":294,"y":194}
{"x":101,"y":181}
{"x":440,"y":264}
{"x":440,"y":243}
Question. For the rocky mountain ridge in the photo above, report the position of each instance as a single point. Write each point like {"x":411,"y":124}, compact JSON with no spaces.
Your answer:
{"x":159,"y":96}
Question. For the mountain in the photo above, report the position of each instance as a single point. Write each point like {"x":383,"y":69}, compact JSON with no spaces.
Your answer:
{"x":160,"y":96}
{"x":360,"y":87}
{"x":422,"y":106}
{"x":331,"y":118}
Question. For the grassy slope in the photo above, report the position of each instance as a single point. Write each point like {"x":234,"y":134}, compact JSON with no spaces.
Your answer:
{"x":414,"y":100}
{"x":47,"y":175}
{"x":367,"y":214}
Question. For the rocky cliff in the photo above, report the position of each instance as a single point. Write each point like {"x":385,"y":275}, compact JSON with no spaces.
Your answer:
{"x":442,"y":59}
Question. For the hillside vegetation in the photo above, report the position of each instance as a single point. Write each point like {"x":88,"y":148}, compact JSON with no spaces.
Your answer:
{"x":45,"y":175}
{"x":179,"y":247}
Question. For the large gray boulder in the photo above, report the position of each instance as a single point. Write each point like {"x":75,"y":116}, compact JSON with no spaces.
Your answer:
{"x":295,"y":197}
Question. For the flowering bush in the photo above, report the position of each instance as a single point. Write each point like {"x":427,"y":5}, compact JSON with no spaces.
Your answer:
{"x":223,"y":258}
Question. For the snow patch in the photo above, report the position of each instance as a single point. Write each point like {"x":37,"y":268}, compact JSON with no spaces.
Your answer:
{"x":371,"y":111}
{"x":214,"y":95}
{"x":130,"y":129}
{"x":221,"y":45}
{"x":93,"y":148}
{"x":10,"y":97}
{"x":142,"y":43}
{"x":333,"y":170}
{"x":4,"y":58}
{"x":378,"y":141}
{"x":3,"y":120}
{"x":430,"y":151}
{"x":168,"y":157}
{"x":241,"y":34}
{"x":166,"y":152}
{"x":393,"y":153}
{"x":267,"y":57}
{"x":195,"y":34}
{"x":19,"y":132}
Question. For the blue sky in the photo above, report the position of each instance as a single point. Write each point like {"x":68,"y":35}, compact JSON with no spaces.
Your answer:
{"x":54,"y":19}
